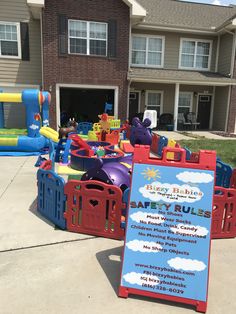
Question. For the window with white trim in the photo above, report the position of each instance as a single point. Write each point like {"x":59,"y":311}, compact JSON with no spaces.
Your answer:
{"x":147,"y":51}
{"x":9,"y":39}
{"x":185,"y":102}
{"x":88,"y":38}
{"x":153,"y":102}
{"x":195,"y":54}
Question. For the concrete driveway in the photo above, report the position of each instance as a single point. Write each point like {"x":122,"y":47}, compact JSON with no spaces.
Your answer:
{"x":45,"y":270}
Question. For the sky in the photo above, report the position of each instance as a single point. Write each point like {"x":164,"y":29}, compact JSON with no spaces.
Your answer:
{"x":217,"y":2}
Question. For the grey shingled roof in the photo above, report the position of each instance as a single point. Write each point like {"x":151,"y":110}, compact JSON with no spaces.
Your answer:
{"x":186,"y":14}
{"x":178,"y":76}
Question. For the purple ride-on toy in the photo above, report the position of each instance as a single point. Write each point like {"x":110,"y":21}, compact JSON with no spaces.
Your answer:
{"x":115,"y":173}
{"x":140,"y":133}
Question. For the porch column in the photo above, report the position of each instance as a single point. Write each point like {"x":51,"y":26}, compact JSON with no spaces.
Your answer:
{"x":176,"y":106}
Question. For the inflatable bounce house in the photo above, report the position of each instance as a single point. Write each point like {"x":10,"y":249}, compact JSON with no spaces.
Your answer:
{"x":35,"y":137}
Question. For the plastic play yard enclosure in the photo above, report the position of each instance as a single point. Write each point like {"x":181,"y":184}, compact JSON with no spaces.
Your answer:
{"x":84,"y":186}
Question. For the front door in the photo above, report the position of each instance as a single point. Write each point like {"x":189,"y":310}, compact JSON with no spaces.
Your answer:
{"x":133,"y":105}
{"x":204,"y":111}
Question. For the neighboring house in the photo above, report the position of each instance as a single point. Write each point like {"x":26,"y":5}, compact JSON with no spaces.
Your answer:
{"x":20,"y":56}
{"x":170,"y":56}
{"x":182,"y":60}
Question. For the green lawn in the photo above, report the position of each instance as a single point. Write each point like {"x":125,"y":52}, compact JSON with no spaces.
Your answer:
{"x":225,"y":149}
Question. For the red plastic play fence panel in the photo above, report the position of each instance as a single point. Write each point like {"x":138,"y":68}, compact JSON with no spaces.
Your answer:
{"x":202,"y":161}
{"x":82,"y":144}
{"x":46,"y":165}
{"x":224,"y":213}
{"x":233,"y":179}
{"x":154,"y":145}
{"x":127,"y":127}
{"x":94,"y":208}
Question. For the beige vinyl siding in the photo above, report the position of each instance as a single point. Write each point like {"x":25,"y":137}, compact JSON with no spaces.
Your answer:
{"x":15,"y":70}
{"x":169,"y":94}
{"x":14,"y":8}
{"x":225,"y":53}
{"x":172,"y":46}
{"x":220,"y":108}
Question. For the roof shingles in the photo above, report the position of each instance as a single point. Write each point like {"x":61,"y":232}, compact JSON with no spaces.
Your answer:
{"x":178,"y":76}
{"x":186,"y":14}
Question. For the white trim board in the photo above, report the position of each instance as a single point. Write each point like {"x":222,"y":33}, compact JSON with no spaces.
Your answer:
{"x":18,"y":57}
{"x":148,"y":37}
{"x":136,"y":10}
{"x":174,"y":29}
{"x":87,"y":38}
{"x":26,"y":86}
{"x":174,"y":81}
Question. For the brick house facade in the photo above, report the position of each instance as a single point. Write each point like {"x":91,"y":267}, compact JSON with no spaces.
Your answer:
{"x":63,"y":68}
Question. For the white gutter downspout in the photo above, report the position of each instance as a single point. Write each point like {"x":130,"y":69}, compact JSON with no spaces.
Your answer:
{"x":212,"y":107}
{"x":214,"y":87}
{"x":41,"y":39}
{"x":233,"y":54}
{"x":139,"y":13}
{"x":217,"y":54}
{"x":129,"y":63}
{"x":231,"y":76}
{"x":176,"y":106}
{"x":127,"y":109}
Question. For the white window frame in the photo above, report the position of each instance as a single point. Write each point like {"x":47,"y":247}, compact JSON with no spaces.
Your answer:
{"x":191,"y":101}
{"x":18,"y":40}
{"x":195,"y":40}
{"x":87,"y":38}
{"x":154,"y":92}
{"x":146,"y":51}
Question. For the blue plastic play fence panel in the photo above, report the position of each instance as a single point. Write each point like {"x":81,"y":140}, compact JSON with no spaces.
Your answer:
{"x":223,"y":174}
{"x":163,"y":142}
{"x":126,"y":201}
{"x":168,"y":231}
{"x":188,"y":153}
{"x":51,"y":197}
{"x":84,"y":127}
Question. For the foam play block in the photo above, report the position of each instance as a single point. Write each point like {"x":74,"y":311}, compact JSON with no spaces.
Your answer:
{"x":92,"y":136}
{"x":65,"y":169}
{"x":122,"y":142}
{"x":128,"y":148}
{"x":74,"y":177}
{"x":171,"y":143}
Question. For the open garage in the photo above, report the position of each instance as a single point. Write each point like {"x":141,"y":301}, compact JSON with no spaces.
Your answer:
{"x":84,"y":104}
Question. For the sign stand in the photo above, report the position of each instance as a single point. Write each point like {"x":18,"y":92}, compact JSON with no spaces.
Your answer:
{"x":168,"y":229}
